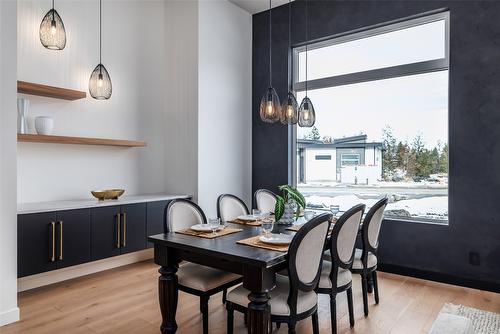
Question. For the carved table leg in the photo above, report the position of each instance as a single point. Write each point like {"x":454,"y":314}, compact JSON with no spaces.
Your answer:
{"x":259,"y":313}
{"x":168,"y":292}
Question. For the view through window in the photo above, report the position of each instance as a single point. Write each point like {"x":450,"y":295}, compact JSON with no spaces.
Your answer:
{"x":381,"y":101}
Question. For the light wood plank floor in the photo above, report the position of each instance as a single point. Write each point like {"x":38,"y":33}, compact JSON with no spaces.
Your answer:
{"x":124,"y":300}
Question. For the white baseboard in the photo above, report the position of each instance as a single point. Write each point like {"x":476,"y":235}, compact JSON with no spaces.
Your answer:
{"x":9,"y":316}
{"x":55,"y":276}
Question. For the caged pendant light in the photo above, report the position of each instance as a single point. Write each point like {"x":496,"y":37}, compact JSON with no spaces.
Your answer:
{"x":100,"y":87}
{"x":52,"y":32}
{"x":270,"y":103}
{"x":289,"y":107}
{"x":307,"y":116}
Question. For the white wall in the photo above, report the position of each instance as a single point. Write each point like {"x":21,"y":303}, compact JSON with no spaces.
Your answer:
{"x":224,"y":105}
{"x":133,"y":52}
{"x":8,"y":226}
{"x":321,"y":170}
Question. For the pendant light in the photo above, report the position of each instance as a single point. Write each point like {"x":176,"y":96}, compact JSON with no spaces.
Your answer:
{"x":52,"y":32}
{"x":100,"y":82}
{"x":307,"y":116}
{"x":270,"y":103}
{"x":289,"y":107}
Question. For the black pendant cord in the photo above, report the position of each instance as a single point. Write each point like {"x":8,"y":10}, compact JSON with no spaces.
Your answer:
{"x":270,"y":49}
{"x":307,"y":39}
{"x":289,"y":43}
{"x":100,"y":31}
{"x":53,"y":19}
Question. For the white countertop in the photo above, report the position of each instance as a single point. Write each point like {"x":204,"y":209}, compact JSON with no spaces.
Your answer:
{"x":25,"y":208}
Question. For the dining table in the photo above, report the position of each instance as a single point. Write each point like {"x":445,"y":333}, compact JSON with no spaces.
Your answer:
{"x":257,"y":266}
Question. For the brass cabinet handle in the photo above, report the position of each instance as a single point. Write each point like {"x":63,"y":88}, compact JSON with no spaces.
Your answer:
{"x":53,"y":226}
{"x":118,"y":216}
{"x":124,"y":243}
{"x":60,"y":239}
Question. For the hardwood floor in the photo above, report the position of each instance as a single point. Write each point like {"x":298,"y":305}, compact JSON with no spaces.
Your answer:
{"x":124,"y":300}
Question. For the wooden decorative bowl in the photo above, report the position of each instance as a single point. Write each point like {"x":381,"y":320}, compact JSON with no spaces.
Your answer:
{"x":101,"y":195}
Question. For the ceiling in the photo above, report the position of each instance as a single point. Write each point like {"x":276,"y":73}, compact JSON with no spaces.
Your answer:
{"x":256,"y":6}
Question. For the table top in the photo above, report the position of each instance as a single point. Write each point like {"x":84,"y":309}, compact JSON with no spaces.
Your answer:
{"x":225,"y":247}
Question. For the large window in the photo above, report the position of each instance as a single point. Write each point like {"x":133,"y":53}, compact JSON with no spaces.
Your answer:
{"x":381,"y":101}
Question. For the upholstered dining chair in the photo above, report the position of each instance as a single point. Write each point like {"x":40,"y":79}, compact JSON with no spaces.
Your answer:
{"x":335,"y":275}
{"x":229,"y":207}
{"x":293,"y":298}
{"x":193,"y":278}
{"x":265,"y":200}
{"x":365,"y":260}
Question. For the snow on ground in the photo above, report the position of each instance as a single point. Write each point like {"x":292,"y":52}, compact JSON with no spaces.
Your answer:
{"x":434,"y":207}
{"x":379,"y":184}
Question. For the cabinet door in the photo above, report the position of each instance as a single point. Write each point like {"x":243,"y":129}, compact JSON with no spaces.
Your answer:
{"x":133,"y":228}
{"x":36,"y":244}
{"x":73,"y":237}
{"x":154,"y":223}
{"x":105,"y":229}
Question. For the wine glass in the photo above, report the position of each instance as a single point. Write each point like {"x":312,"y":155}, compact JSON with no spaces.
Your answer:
{"x":256,"y":213}
{"x":267,"y":226}
{"x":214,"y":224}
{"x":335,"y":209}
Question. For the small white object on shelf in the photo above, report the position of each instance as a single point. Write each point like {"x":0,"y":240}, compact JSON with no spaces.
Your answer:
{"x":23,"y":106}
{"x":44,"y":125}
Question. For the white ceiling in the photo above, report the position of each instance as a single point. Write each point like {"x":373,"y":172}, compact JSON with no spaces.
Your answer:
{"x":256,"y":6}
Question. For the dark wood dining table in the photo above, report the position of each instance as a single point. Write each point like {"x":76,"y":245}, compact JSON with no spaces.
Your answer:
{"x":257,"y":266}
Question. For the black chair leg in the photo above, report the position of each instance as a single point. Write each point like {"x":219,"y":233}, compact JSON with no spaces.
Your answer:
{"x":291,"y":328}
{"x":375,"y":285}
{"x":333,"y":312}
{"x":350,"y":306}
{"x":315,"y":322}
{"x":369,"y":281}
{"x":224,"y":295}
{"x":278,"y":325}
{"x":245,"y":317}
{"x":364,"y":288}
{"x":204,"y":312}
{"x":230,"y":317}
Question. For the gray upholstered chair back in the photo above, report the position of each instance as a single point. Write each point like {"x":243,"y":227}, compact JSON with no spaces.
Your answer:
{"x":347,"y":236}
{"x":182,"y":214}
{"x":229,"y":207}
{"x":374,"y":225}
{"x":265,"y":200}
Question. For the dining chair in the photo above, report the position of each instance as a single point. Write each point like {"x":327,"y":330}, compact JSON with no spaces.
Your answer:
{"x":293,"y":297}
{"x":365,"y":260}
{"x":229,"y":207}
{"x":335,"y":275}
{"x":265,"y":200}
{"x":193,"y":278}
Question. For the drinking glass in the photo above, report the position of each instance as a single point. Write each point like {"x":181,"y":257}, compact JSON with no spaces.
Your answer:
{"x":335,"y":209}
{"x":214,"y":224}
{"x":256,"y":213}
{"x":308,"y":215}
{"x":267,"y":226}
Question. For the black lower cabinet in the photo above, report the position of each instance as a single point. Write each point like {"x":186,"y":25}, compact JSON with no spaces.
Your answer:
{"x":154,"y":224}
{"x":133,"y":227}
{"x":48,"y":241}
{"x":106,"y":232}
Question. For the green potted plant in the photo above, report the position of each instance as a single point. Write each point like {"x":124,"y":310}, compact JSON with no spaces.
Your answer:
{"x":289,"y":199}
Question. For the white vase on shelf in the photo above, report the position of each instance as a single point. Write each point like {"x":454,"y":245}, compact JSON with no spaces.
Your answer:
{"x":23,"y":106}
{"x":44,"y":125}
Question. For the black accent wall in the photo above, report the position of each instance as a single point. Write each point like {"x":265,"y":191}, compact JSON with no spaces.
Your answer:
{"x":432,"y":251}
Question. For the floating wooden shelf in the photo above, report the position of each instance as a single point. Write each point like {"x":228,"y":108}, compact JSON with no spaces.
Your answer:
{"x":49,"y":91}
{"x":78,"y":140}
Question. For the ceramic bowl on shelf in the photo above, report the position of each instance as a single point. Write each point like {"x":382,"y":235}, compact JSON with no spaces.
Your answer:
{"x":44,"y":125}
{"x":101,"y":195}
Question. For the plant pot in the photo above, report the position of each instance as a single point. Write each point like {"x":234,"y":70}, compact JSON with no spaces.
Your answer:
{"x":288,"y":215}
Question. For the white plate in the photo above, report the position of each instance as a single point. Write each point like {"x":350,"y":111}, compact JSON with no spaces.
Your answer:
{"x":249,"y":217}
{"x":204,"y":228}
{"x":277,"y":239}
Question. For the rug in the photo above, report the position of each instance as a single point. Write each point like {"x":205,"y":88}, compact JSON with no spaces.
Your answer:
{"x":484,"y":322}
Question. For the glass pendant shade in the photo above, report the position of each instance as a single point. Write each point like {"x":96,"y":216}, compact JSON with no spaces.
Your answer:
{"x":270,"y":106}
{"x":100,"y":83}
{"x":52,"y":32}
{"x":307,"y":116}
{"x":289,"y":112}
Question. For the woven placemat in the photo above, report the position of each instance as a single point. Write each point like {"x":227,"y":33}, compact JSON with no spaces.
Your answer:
{"x":247,"y":222}
{"x":297,"y":227}
{"x":255,"y":242}
{"x":209,"y":235}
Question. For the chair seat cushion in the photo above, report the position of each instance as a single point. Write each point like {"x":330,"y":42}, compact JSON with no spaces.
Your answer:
{"x":279,"y":296}
{"x":203,"y":278}
{"x":344,"y":276}
{"x":358,"y":264}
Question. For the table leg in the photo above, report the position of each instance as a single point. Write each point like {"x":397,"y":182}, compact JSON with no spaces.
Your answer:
{"x":259,"y":313}
{"x":168,"y":292}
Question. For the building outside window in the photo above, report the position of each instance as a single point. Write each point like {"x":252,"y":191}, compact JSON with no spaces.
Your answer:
{"x":381,"y":101}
